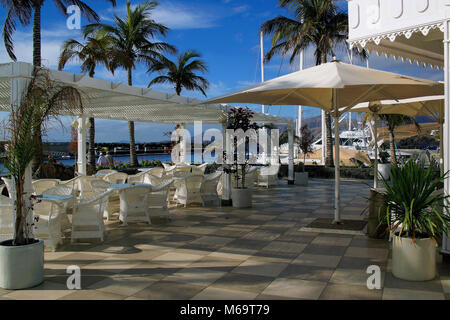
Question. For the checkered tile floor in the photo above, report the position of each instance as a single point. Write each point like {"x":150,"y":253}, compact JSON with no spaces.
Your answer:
{"x":226,"y":253}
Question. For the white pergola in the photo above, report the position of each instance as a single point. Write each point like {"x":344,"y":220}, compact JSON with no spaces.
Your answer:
{"x":113,"y":100}
{"x":417,"y":31}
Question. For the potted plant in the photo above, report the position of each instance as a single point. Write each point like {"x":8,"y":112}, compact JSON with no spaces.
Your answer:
{"x":417,"y":216}
{"x":384,"y":166}
{"x":22,"y":257}
{"x":241,"y":194}
{"x":306,"y":141}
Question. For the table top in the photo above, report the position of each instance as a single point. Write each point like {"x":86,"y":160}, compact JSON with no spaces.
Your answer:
{"x":126,"y":185}
{"x":53,"y":197}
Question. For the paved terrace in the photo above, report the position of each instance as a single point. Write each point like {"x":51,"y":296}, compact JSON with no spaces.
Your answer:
{"x":225,"y":253}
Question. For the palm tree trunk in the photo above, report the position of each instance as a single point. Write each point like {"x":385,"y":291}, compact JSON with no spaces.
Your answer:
{"x":329,"y":141}
{"x":39,"y":158}
{"x":392,"y":147}
{"x":91,"y":154}
{"x":37,"y":33}
{"x":133,"y":157}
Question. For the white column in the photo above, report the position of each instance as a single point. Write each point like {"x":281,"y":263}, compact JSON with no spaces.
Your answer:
{"x":324,"y":136}
{"x":349,"y":121}
{"x":183,"y":144}
{"x":446,"y":135}
{"x":263,"y":108}
{"x":291,"y":154}
{"x":81,"y":162}
{"x":226,"y":178}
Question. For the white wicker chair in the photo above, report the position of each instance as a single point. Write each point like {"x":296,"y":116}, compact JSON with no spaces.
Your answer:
{"x":116,"y":177}
{"x":188,"y":190}
{"x":106,"y":171}
{"x":153,"y":180}
{"x":137,"y":178}
{"x":209,"y":187}
{"x":134,"y":204}
{"x":166,"y":165}
{"x":6,"y":218}
{"x":268,"y":176}
{"x":41,"y":185}
{"x":202,"y":167}
{"x":84,"y":185}
{"x":88,"y":213}
{"x":47,"y":221}
{"x":100,"y":186}
{"x":157,"y":171}
{"x":73,"y":183}
{"x":60,"y":190}
{"x":157,"y":200}
{"x":9,"y":185}
{"x":169,"y":170}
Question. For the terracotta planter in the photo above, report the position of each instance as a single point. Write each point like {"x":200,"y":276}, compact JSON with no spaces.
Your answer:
{"x":413,"y":261}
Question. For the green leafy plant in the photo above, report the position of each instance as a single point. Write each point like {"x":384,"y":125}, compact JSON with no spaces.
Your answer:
{"x":306,"y":142}
{"x":415,"y":202}
{"x":42,"y":99}
{"x":151,"y":163}
{"x":240,"y":118}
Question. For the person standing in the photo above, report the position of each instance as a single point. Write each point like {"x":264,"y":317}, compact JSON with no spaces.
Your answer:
{"x":101,"y":160}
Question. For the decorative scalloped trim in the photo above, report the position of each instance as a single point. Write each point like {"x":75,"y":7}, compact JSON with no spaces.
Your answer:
{"x":361,"y":43}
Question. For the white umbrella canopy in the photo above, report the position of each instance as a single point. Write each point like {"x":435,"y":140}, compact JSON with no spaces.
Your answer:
{"x":431,"y":107}
{"x":331,"y":86}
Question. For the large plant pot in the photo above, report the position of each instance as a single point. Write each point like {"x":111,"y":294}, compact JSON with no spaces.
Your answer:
{"x":301,"y":178}
{"x":414,"y":261}
{"x":21,"y":266}
{"x":384,"y":169}
{"x":241,"y":198}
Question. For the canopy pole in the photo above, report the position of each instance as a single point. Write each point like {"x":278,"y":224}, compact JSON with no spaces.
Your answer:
{"x":226,"y":177}
{"x":441,"y":145}
{"x":323,"y":137}
{"x":446,"y":134}
{"x":299,"y":114}
{"x":291,"y":154}
{"x":375,"y":167}
{"x":81,"y":163}
{"x":337,"y":166}
{"x":263,"y":107}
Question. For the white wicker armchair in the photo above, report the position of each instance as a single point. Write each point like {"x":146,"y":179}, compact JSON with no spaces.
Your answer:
{"x":9,"y":186}
{"x":63,"y":191}
{"x":6,"y":218}
{"x":85,"y":187}
{"x":209,"y":187}
{"x":268,"y":176}
{"x":134,"y":204}
{"x":157,"y":171}
{"x":88,"y":213}
{"x":137,"y":178}
{"x":41,"y":185}
{"x":116,"y":177}
{"x":47,"y":221}
{"x":188,"y":190}
{"x":157,"y":200}
{"x":106,"y":171}
{"x":73,"y":183}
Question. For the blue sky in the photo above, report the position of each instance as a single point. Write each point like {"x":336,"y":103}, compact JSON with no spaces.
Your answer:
{"x":224,"y":31}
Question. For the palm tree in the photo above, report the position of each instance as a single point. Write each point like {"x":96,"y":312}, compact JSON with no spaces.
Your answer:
{"x":92,"y":53}
{"x":315,"y":22}
{"x":130,"y":44}
{"x":393,"y":121}
{"x":23,"y":11}
{"x":182,"y":74}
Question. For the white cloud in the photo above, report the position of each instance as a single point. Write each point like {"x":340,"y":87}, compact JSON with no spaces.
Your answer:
{"x":174,"y":15}
{"x":241,"y":9}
